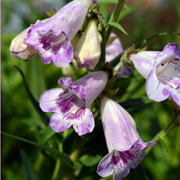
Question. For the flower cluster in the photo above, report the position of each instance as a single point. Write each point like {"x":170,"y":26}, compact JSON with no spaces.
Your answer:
{"x":68,"y":35}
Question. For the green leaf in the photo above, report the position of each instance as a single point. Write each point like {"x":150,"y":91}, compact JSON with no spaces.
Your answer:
{"x":47,"y":134}
{"x":52,"y":151}
{"x":164,"y":143}
{"x":28,"y":172}
{"x":121,"y":82}
{"x":135,"y":102}
{"x":90,"y":160}
{"x":153,"y":36}
{"x":32,"y":99}
{"x":117,"y":25}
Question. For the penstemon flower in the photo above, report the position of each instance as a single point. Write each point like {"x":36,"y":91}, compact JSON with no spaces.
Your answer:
{"x":126,"y":149}
{"x":113,"y":49}
{"x":162,"y":71}
{"x":52,"y":39}
{"x":70,"y":103}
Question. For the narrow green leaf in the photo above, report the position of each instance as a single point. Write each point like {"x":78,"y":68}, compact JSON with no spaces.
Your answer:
{"x":32,"y":99}
{"x":90,"y":160}
{"x":52,"y":151}
{"x":153,"y":36}
{"x":28,"y":172}
{"x":117,"y":25}
{"x":164,"y":143}
{"x":47,"y":134}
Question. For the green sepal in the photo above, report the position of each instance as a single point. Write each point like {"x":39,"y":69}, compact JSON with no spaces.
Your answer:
{"x":164,"y":143}
{"x":173,"y":105}
{"x":125,"y":56}
{"x":50,"y":14}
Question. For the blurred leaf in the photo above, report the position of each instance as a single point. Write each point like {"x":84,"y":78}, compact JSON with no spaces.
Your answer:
{"x":34,"y":102}
{"x":90,"y":160}
{"x":118,"y":26}
{"x":28,"y":172}
{"x":47,"y":134}
{"x":153,"y":36}
{"x":164,"y":143}
{"x":53,"y":152}
{"x":129,"y":9}
{"x":135,"y":102}
{"x":141,"y":170}
{"x":121,"y":82}
{"x":108,"y":1}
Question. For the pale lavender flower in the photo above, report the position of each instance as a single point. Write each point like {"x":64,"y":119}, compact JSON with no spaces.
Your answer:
{"x":70,"y":103}
{"x":113,"y":49}
{"x":162,"y":71}
{"x":52,"y":39}
{"x":126,"y":149}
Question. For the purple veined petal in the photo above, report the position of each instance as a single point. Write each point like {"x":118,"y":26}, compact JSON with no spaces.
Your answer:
{"x":93,"y":84}
{"x":84,"y":123}
{"x":48,"y":99}
{"x":144,"y":61}
{"x":175,"y":95}
{"x":58,"y":124}
{"x":119,"y":173}
{"x":155,"y":89}
{"x":80,"y":92}
{"x":169,"y":52}
{"x":105,"y":168}
{"x":65,"y":82}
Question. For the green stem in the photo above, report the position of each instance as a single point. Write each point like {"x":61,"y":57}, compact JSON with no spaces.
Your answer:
{"x":57,"y":166}
{"x":114,"y":17}
{"x":172,"y":125}
{"x":74,"y":69}
{"x":103,"y":47}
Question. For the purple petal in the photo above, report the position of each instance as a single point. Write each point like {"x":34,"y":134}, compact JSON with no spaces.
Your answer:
{"x":124,"y":71}
{"x":175,"y":95}
{"x":65,"y":82}
{"x":169,"y":52}
{"x":80,"y":92}
{"x":144,"y":61}
{"x":155,"y":89}
{"x":48,"y":99}
{"x":59,"y":124}
{"x":84,"y":123}
{"x":105,"y":168}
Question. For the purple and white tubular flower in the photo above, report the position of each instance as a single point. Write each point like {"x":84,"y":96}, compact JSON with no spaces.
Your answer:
{"x":52,"y":39}
{"x":88,"y":50}
{"x":126,"y":149}
{"x":70,"y":103}
{"x":113,"y":49}
{"x":162,"y":71}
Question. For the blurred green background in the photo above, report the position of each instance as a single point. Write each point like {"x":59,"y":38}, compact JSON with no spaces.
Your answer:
{"x":19,"y":118}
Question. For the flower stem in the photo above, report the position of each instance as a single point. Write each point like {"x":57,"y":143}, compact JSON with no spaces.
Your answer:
{"x":114,"y":17}
{"x":172,"y":125}
{"x":74,"y":69}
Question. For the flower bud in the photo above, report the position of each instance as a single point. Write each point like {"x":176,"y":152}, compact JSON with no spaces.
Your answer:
{"x":88,"y":51}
